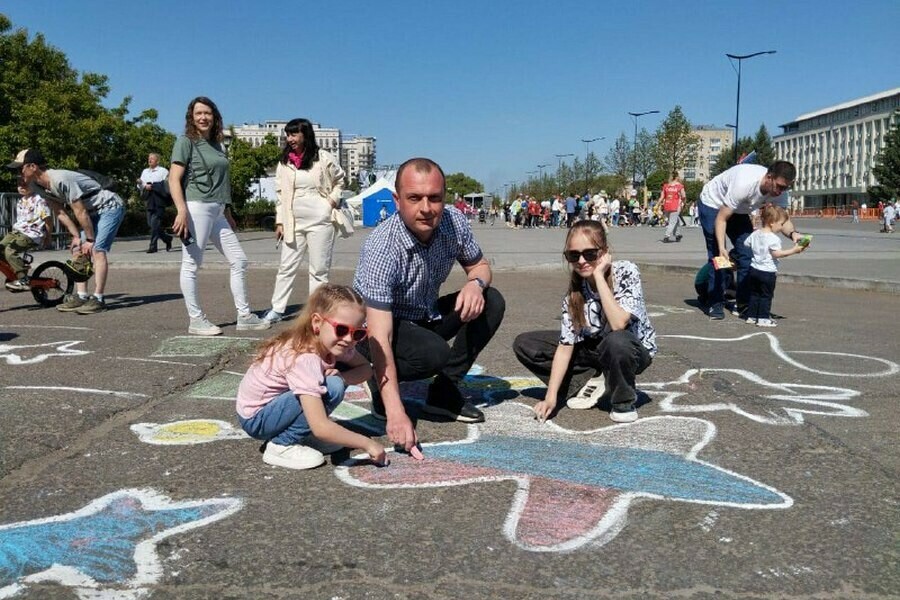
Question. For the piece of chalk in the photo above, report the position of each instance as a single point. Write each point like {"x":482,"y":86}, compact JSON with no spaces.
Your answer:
{"x":416,"y":452}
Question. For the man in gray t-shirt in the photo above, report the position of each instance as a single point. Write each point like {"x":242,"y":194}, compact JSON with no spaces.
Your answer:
{"x":98,"y":213}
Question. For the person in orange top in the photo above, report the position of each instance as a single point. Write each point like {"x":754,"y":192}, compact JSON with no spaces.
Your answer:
{"x":672,"y":198}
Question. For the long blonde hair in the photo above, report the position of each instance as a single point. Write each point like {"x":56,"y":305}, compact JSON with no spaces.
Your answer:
{"x":594,"y":231}
{"x":301,"y":338}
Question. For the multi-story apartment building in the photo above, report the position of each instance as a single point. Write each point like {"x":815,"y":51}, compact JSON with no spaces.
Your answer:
{"x":353,"y":153}
{"x":834,"y":149}
{"x":713,"y":140}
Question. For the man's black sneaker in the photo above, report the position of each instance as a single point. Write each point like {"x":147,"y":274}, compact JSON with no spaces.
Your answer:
{"x":445,"y":400}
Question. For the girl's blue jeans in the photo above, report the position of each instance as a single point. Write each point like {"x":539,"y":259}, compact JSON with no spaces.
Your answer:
{"x":282,"y":420}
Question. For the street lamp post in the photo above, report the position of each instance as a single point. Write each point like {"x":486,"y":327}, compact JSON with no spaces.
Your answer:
{"x":541,"y":171}
{"x":737,"y":112}
{"x":587,"y":154}
{"x":559,"y":168}
{"x":634,"y":145}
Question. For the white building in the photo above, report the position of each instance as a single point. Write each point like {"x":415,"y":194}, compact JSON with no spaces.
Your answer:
{"x":834,"y":149}
{"x":353,"y":153}
{"x":712,"y":141}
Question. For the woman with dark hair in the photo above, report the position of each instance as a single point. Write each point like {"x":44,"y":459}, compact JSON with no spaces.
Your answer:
{"x":308,"y":184}
{"x":200,"y":184}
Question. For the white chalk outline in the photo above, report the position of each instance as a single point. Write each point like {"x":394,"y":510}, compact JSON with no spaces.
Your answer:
{"x":615,"y":518}
{"x":59,"y":388}
{"x":162,"y":362}
{"x":775,"y":345}
{"x":824,"y":398}
{"x":149,"y":568}
{"x":63,"y":348}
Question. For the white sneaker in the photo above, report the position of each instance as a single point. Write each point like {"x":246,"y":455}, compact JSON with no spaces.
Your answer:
{"x":202,"y":326}
{"x":251,"y":322}
{"x":750,"y":321}
{"x":589,"y":395}
{"x":629,"y":416}
{"x":295,"y":456}
{"x":766,"y":323}
{"x":273,"y":316}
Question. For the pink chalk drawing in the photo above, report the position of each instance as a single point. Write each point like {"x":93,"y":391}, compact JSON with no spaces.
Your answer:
{"x":785,"y":403}
{"x":574,"y":487}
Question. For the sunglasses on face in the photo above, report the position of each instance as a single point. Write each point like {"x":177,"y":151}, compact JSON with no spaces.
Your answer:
{"x":589,"y":254}
{"x":357,"y":334}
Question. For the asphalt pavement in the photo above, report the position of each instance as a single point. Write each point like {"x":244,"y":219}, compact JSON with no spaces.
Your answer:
{"x":764,"y":464}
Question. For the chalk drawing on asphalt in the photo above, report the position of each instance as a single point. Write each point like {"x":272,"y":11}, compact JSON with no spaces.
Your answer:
{"x":660,"y":310}
{"x":749,"y":395}
{"x":106,"y":549}
{"x":158,"y":361}
{"x":574,"y":487}
{"x":187,"y":432}
{"x":196,"y":346}
{"x":79,"y":390}
{"x":29,"y":354}
{"x":885,"y":367}
{"x":219,"y":386}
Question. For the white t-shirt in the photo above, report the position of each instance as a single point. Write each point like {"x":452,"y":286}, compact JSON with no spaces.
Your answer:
{"x":738,"y":188}
{"x":888,"y":213}
{"x":762,"y":243}
{"x":614,"y":206}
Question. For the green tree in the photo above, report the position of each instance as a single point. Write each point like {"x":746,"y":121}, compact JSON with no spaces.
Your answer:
{"x":676,"y":144}
{"x":761,"y":143}
{"x":887,"y":166}
{"x":692,"y":190}
{"x":248,"y":164}
{"x":644,"y":154}
{"x":45,"y":104}
{"x":656,"y":179}
{"x":462,"y":184}
{"x":618,"y":159}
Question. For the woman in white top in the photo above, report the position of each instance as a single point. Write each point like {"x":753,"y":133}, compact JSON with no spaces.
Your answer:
{"x":308,"y":183}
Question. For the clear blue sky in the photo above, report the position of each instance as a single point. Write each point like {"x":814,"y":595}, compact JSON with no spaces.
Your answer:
{"x":486,"y":87}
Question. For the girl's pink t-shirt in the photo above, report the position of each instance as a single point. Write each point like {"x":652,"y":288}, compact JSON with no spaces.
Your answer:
{"x":281,"y":371}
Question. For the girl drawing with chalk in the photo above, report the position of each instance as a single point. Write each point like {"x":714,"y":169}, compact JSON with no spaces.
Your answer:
{"x":606,"y":337}
{"x":298,"y":378}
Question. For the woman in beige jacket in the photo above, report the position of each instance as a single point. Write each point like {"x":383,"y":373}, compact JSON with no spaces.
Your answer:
{"x":308,"y":183}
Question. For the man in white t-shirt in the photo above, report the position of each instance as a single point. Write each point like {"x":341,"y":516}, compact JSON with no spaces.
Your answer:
{"x":725,"y":206}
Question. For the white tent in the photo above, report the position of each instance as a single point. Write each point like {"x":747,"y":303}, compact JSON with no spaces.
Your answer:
{"x":367,"y":204}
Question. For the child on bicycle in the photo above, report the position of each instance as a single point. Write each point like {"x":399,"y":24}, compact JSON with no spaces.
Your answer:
{"x":31,"y":230}
{"x":298,"y":378}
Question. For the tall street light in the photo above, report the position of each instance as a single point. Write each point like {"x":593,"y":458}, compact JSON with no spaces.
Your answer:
{"x":559,"y":168}
{"x":634,"y":145}
{"x":587,"y":154}
{"x":737,"y":112}
{"x":541,"y":170}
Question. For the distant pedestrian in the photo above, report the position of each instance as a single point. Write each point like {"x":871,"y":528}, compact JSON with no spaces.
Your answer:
{"x":672,"y":198}
{"x":571,"y":210}
{"x":299,"y":377}
{"x":854,"y":210}
{"x":766,"y":248}
{"x":887,"y":216}
{"x":153,"y":189}
{"x":200,"y":165}
{"x":606,"y":337}
{"x":308,"y":184}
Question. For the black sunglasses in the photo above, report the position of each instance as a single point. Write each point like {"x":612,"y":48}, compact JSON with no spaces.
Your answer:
{"x":589,"y":254}
{"x":357,"y":334}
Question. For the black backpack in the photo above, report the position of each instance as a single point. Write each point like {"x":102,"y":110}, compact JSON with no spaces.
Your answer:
{"x":106,"y":182}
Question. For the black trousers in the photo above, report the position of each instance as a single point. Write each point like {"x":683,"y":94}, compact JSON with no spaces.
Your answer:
{"x":421,"y":349}
{"x":618,"y":356}
{"x":155,"y":222}
{"x":762,"y":290}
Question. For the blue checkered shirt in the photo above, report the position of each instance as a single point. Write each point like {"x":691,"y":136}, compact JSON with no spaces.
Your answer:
{"x":397,"y":272}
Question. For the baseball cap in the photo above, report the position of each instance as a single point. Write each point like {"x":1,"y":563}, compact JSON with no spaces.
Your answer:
{"x":25,"y":157}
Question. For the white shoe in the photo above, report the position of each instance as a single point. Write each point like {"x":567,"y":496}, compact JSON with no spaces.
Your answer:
{"x":629,"y":416}
{"x":750,"y":321}
{"x":589,"y":395}
{"x":273,"y":316}
{"x":202,"y":326}
{"x":251,"y":322}
{"x":295,"y":456}
{"x":766,"y":323}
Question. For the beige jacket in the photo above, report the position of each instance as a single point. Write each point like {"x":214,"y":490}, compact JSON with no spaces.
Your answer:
{"x":329,"y":181}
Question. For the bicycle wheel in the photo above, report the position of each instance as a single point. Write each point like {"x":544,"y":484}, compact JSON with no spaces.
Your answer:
{"x":50,"y":283}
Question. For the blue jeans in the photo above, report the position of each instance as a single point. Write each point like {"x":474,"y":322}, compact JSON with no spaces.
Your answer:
{"x":738,"y":228}
{"x":106,"y":225}
{"x":282,"y":420}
